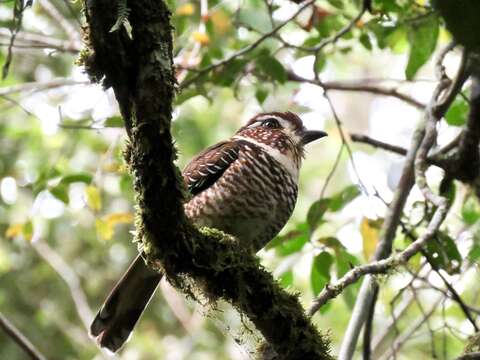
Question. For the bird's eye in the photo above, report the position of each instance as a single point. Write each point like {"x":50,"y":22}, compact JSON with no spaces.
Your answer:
{"x":271,"y":123}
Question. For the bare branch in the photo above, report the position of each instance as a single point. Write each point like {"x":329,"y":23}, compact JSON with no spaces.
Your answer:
{"x":20,"y":339}
{"x":412,"y":329}
{"x":70,"y":278}
{"x":378,"y":144}
{"x":40,"y":86}
{"x":470,"y":356}
{"x":33,"y":40}
{"x":357,"y":86}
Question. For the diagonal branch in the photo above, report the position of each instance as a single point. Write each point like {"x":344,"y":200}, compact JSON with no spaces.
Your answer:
{"x":71,"y":279}
{"x":20,"y":339}
{"x":357,"y":86}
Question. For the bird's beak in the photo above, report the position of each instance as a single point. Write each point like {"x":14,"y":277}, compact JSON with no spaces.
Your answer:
{"x":311,"y":135}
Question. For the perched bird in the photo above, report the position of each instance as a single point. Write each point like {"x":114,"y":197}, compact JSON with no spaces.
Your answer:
{"x":245,"y":186}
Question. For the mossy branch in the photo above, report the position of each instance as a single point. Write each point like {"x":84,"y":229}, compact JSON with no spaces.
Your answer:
{"x":140,"y":71}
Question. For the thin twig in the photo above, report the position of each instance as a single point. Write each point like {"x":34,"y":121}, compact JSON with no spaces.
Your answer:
{"x":454,"y":294}
{"x":333,"y":39}
{"x":33,"y":40}
{"x":246,"y":49}
{"x":20,"y":339}
{"x":364,"y":139}
{"x":71,"y":279}
{"x":40,"y":86}
{"x":435,"y":159}
{"x":357,"y":86}
{"x":332,"y":171}
{"x":408,"y":333}
{"x":339,"y":124}
{"x":18,"y":9}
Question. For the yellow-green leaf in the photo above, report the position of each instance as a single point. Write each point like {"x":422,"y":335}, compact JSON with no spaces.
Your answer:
{"x":27,"y":230}
{"x":118,"y":218}
{"x":94,"y":200}
{"x":14,"y":230}
{"x":104,"y":229}
{"x":186,"y":10}
{"x":370,"y":230}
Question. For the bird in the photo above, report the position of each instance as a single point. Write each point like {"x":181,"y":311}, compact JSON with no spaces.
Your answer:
{"x":246,"y":186}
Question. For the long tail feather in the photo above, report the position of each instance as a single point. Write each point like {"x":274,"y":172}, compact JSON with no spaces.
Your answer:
{"x":123,"y":307}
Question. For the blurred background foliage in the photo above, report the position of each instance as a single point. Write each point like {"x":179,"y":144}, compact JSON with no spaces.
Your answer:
{"x":66,"y":200}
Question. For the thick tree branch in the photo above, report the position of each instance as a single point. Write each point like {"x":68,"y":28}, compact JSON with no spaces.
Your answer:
{"x":142,"y":76}
{"x":20,"y":339}
{"x":470,"y":356}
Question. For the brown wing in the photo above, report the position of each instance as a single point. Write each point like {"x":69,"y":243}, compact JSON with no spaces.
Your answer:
{"x":209,"y":165}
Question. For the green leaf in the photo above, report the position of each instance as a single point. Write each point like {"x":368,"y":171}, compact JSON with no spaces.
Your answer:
{"x":344,"y":262}
{"x":229,"y":73}
{"x":60,"y":192}
{"x":291,"y":242}
{"x":186,"y":94}
{"x":331,"y":242}
{"x":471,"y":211}
{"x":286,"y":279}
{"x":76,"y":177}
{"x":320,"y":62}
{"x":261,"y":94}
{"x":339,"y":4}
{"x":457,"y":114}
{"x":114,"y":121}
{"x":444,"y":254}
{"x":384,"y":6}
{"x":254,"y":19}
{"x":365,"y":41}
{"x":474,"y":253}
{"x":339,"y":200}
{"x":316,"y":212}
{"x":27,"y":230}
{"x":45,"y":175}
{"x":422,"y":36}
{"x":272,"y":68}
{"x":320,"y":272}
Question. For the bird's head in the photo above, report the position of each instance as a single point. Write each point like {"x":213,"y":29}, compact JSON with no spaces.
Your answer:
{"x":280,"y":134}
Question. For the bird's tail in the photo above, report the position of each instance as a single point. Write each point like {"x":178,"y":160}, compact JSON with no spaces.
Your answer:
{"x":124,"y":306}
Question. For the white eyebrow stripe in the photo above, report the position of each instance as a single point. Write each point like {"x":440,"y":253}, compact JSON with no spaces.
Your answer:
{"x":284,"y":123}
{"x":266,"y":116}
